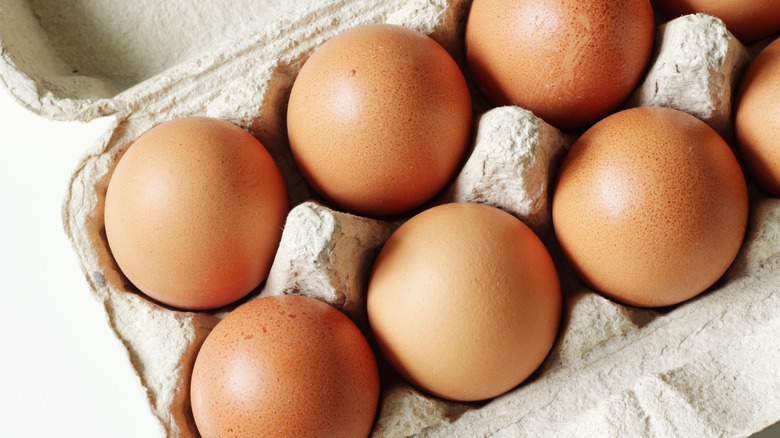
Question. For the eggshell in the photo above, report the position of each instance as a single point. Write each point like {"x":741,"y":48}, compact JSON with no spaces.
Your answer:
{"x":194,"y":211}
{"x":379,"y":119}
{"x":464,"y":301}
{"x":287,"y":366}
{"x":748,"y":20}
{"x":650,"y":206}
{"x":757,"y":118}
{"x":570,"y":62}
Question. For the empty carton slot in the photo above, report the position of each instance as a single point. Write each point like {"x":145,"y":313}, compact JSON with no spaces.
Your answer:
{"x":95,"y":49}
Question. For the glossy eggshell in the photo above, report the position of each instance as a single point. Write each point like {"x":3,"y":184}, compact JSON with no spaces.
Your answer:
{"x":285,"y":366}
{"x":757,"y":118}
{"x":464,"y":301}
{"x":650,"y":206}
{"x":194,"y":213}
{"x":570,"y":62}
{"x":379,"y":119}
{"x":748,"y":20}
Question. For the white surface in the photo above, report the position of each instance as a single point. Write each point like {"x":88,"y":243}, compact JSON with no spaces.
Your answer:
{"x":62,"y":371}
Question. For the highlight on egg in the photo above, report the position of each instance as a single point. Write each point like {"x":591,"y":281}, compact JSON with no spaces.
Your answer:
{"x":650,"y":206}
{"x":464,"y":301}
{"x":379,"y":119}
{"x":285,"y":366}
{"x":570,"y":62}
{"x":194,"y":213}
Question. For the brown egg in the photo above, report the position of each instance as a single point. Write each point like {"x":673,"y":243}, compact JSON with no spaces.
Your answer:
{"x":748,"y":20}
{"x":650,"y":206}
{"x":285,"y":366}
{"x":757,"y":118}
{"x":194,"y":211}
{"x":464,"y":301}
{"x":379,"y":119}
{"x":570,"y":62}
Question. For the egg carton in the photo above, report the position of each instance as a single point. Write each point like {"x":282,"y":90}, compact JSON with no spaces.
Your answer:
{"x":707,"y":367}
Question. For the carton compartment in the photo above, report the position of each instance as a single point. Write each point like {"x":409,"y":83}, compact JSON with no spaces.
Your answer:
{"x":97,"y":49}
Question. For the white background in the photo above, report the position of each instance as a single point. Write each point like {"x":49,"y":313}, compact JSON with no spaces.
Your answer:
{"x":63,"y":373}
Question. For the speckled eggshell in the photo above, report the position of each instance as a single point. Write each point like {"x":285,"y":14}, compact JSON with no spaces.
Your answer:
{"x":650,"y":206}
{"x":748,"y":20}
{"x":570,"y":62}
{"x":757,"y":118}
{"x":464,"y":301}
{"x":194,"y":213}
{"x":285,"y":366}
{"x":379,"y":119}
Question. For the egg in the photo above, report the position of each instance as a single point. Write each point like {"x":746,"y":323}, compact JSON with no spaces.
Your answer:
{"x":757,"y":118}
{"x":285,"y":366}
{"x":570,"y":62}
{"x":748,"y":20}
{"x":194,"y":213}
{"x":650,"y":206}
{"x":464,"y":301}
{"x":379,"y":119}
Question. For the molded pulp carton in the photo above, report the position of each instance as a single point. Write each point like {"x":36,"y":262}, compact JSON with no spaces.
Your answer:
{"x":707,"y":367}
